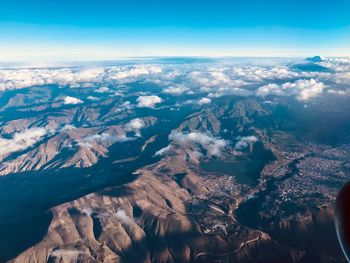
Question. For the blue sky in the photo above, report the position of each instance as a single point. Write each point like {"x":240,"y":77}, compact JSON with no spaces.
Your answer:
{"x":106,"y":29}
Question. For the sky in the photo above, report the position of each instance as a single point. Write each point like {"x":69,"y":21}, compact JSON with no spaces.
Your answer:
{"x":112,"y":29}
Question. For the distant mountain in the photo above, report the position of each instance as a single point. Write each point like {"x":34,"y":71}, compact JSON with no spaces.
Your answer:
{"x":316,"y":59}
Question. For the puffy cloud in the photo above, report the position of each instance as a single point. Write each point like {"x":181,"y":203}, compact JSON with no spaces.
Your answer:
{"x":68,"y":127}
{"x":270,"y":89}
{"x":243,"y":142}
{"x":219,"y":82}
{"x":135,"y":125}
{"x":102,"y":90}
{"x":307,"y":88}
{"x":75,"y":77}
{"x":219,"y":92}
{"x":92,"y":98}
{"x":162,"y":151}
{"x":21,"y":140}
{"x":136,"y":71}
{"x":204,"y":101}
{"x":341,"y":78}
{"x":213,"y":78}
{"x":257,"y":74}
{"x":303,"y":89}
{"x":175,"y":90}
{"x":212,"y":145}
{"x":148,"y":101}
{"x":22,"y":78}
{"x":72,"y":100}
{"x":337,"y":64}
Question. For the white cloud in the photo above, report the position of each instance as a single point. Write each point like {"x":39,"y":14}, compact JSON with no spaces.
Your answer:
{"x":175,"y":90}
{"x":303,"y":89}
{"x":68,"y":127}
{"x":219,"y":92}
{"x":22,"y":78}
{"x":214,"y":78}
{"x":341,"y":78}
{"x":21,"y":140}
{"x":243,"y":142}
{"x":102,"y":90}
{"x":72,"y":100}
{"x":75,"y":77}
{"x":123,"y":217}
{"x":162,"y":151}
{"x":307,"y":89}
{"x":336,"y":92}
{"x":204,"y":101}
{"x":337,"y":64}
{"x":135,"y":125}
{"x":104,"y":138}
{"x":219,"y":82}
{"x":212,"y":145}
{"x":270,"y":89}
{"x":92,"y":98}
{"x":148,"y":101}
{"x":134,"y":72}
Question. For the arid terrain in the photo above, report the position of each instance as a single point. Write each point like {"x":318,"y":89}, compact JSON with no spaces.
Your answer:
{"x":174,"y":160}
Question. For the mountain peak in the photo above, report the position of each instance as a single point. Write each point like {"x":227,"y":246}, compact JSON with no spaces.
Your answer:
{"x":316,"y":59}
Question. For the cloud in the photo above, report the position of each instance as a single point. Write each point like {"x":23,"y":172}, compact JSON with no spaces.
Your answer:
{"x":219,"y":82}
{"x":337,"y":64}
{"x":21,"y":78}
{"x":75,"y":76}
{"x":162,"y":151}
{"x":303,"y":89}
{"x":175,"y":90}
{"x":336,"y":92}
{"x":123,"y":217}
{"x":148,"y":101}
{"x":72,"y":100}
{"x":341,"y":78}
{"x":103,"y":138}
{"x":270,"y":89}
{"x":135,"y":125}
{"x":92,"y":98}
{"x":102,"y":90}
{"x":219,"y":92}
{"x":243,"y":142}
{"x":212,"y":145}
{"x":68,"y":127}
{"x":21,"y":140}
{"x":134,"y":72}
{"x":213,"y":78}
{"x":204,"y":101}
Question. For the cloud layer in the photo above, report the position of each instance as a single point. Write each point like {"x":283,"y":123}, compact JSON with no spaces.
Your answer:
{"x":300,"y":80}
